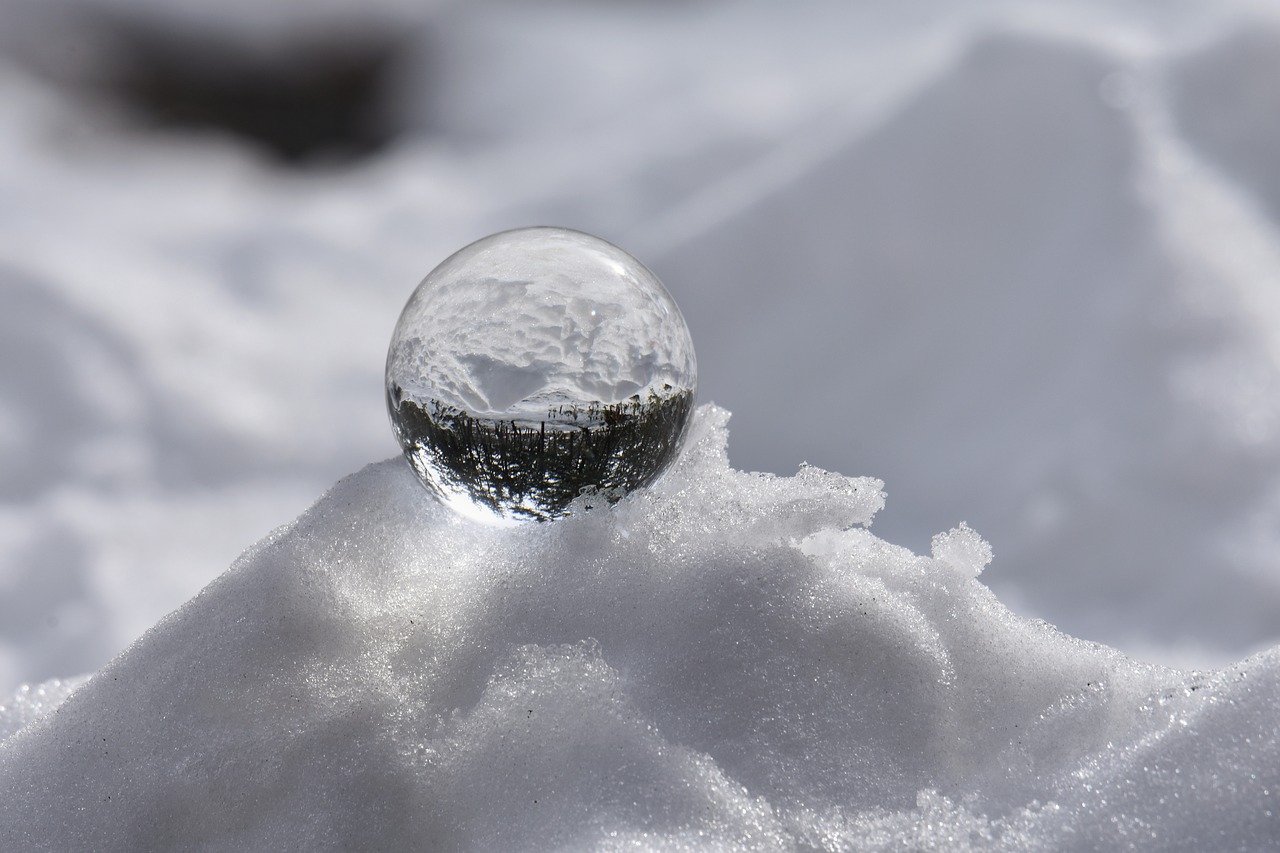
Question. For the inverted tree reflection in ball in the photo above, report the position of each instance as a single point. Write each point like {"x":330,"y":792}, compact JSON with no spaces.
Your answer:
{"x":534,"y":365}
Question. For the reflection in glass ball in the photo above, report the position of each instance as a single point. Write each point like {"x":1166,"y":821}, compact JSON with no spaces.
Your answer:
{"x":535,"y":365}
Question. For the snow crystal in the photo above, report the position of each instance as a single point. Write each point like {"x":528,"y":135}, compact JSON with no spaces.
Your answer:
{"x":725,"y":661}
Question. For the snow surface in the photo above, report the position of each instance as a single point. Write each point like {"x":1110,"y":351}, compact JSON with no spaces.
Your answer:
{"x":726,"y":661}
{"x":1017,"y":259}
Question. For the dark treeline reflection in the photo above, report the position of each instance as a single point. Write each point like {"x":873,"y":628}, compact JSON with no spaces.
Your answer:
{"x":534,"y":468}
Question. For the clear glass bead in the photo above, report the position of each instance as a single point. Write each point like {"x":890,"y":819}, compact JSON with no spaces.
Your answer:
{"x":535,"y":365}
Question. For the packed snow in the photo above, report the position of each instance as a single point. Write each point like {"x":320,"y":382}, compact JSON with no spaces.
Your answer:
{"x":725,"y":661}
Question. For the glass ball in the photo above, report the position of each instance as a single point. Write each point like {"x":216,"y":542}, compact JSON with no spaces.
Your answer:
{"x":537,"y":365}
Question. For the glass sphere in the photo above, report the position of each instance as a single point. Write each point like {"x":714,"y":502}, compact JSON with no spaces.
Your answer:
{"x":535,"y":365}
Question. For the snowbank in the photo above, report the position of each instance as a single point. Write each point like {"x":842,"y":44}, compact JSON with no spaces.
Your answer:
{"x":1018,"y":260}
{"x":725,"y":661}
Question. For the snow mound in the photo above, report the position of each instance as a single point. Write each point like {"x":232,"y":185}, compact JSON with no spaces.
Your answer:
{"x":724,"y":661}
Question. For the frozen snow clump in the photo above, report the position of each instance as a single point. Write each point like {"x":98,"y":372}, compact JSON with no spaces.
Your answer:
{"x":962,"y":549}
{"x":724,"y":661}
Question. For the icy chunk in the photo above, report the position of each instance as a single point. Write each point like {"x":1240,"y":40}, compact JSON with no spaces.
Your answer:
{"x":962,"y":549}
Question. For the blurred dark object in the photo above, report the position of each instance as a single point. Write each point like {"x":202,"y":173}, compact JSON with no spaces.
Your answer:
{"x":321,"y":98}
{"x":321,"y":92}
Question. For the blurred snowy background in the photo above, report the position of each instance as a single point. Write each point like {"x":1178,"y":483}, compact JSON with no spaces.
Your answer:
{"x":1020,"y":260}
